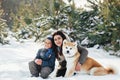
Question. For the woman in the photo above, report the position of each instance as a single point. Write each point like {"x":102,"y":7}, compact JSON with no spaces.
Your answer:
{"x":58,"y":38}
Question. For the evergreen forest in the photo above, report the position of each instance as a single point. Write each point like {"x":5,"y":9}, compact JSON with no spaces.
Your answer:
{"x":34,"y":19}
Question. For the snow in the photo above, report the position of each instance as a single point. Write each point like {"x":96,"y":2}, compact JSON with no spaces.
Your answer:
{"x":14,"y":58}
{"x":82,"y":3}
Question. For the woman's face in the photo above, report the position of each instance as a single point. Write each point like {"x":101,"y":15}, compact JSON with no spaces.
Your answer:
{"x":58,"y":40}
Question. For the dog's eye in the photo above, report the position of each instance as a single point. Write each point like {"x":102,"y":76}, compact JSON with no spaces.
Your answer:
{"x":70,"y":48}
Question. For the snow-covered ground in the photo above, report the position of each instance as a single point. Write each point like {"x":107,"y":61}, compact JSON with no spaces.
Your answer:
{"x":14,"y":60}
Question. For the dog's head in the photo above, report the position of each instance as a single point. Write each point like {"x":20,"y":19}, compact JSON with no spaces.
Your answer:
{"x":69,"y":49}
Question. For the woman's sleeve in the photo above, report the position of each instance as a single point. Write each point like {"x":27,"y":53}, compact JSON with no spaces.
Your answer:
{"x":83,"y":54}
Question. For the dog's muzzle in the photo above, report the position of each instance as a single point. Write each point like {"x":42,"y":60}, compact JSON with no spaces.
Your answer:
{"x":68,"y":52}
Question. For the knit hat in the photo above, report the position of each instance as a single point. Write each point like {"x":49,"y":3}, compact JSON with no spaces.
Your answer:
{"x":50,"y":38}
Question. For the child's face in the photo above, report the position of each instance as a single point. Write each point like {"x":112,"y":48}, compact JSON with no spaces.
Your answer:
{"x":48,"y":43}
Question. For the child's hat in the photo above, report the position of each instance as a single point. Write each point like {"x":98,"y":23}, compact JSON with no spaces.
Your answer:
{"x":50,"y":38}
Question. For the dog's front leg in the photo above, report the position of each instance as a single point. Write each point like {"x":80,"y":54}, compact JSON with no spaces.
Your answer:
{"x":69,"y":72}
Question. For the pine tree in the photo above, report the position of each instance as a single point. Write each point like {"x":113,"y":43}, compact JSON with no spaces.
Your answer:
{"x":110,"y":11}
{"x":101,"y":24}
{"x":85,"y":24}
{"x":28,"y":16}
{"x":3,"y":29}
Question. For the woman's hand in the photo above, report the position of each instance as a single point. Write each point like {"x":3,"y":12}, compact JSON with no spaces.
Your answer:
{"x":78,"y":67}
{"x":38,"y":61}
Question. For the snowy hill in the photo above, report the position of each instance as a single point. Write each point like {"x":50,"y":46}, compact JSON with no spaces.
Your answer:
{"x":14,"y":60}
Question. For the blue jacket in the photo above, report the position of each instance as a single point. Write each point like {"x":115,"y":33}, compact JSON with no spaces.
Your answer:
{"x":47,"y":56}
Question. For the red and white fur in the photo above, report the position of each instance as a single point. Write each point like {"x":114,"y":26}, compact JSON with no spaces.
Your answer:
{"x":90,"y":66}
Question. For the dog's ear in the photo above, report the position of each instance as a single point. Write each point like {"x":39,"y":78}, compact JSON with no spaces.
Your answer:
{"x":64,"y":42}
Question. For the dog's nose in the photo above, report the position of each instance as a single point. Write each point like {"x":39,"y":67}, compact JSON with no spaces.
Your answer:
{"x":67,"y":51}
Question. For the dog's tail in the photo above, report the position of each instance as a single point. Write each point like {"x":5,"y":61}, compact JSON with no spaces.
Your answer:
{"x":112,"y":70}
{"x":99,"y":71}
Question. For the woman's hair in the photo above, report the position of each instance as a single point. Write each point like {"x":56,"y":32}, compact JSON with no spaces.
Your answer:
{"x":55,"y":48}
{"x":59,"y":33}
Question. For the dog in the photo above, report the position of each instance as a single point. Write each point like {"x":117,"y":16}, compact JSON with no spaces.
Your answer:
{"x":90,"y":66}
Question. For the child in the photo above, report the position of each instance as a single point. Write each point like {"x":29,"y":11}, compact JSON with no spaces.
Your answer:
{"x":44,"y":61}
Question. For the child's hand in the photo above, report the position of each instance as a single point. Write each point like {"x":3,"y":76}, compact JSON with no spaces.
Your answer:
{"x":38,"y":61}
